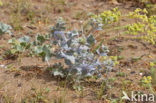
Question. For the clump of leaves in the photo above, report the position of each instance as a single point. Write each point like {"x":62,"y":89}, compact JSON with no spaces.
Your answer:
{"x":4,"y":28}
{"x":42,"y":49}
{"x":20,"y":45}
{"x":34,"y":48}
{"x":8,"y":55}
{"x":58,"y":70}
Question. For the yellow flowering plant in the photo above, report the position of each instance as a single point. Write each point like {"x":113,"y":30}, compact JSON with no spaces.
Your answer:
{"x":108,"y":17}
{"x":147,"y":83}
{"x":150,"y":81}
{"x":144,"y":27}
{"x":1,"y":3}
{"x":147,"y":80}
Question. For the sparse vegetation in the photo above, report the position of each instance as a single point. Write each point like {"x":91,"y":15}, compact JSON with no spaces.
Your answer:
{"x":63,"y":51}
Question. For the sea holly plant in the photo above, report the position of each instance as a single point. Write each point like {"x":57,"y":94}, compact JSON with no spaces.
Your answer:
{"x":4,"y":28}
{"x":74,"y":47}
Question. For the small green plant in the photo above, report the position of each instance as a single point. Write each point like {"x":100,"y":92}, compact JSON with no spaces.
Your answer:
{"x":100,"y":93}
{"x":35,"y":48}
{"x":36,"y":96}
{"x":153,"y":72}
{"x":147,"y":83}
{"x":4,"y":98}
{"x":59,"y":5}
{"x":9,"y":55}
{"x":19,"y":8}
{"x":16,"y":22}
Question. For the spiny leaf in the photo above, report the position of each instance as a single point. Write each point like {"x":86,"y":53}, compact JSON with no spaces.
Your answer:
{"x":25,"y":39}
{"x":90,"y":39}
{"x":4,"y":28}
{"x":40,"y":39}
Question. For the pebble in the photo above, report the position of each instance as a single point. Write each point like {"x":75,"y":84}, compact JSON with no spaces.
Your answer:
{"x":2,"y":66}
{"x":129,"y":69}
{"x":141,"y":74}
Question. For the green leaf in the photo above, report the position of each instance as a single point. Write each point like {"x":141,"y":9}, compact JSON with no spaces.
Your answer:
{"x":47,"y":52}
{"x":11,"y":41}
{"x":38,"y":50}
{"x":13,"y":51}
{"x":28,"y":46}
{"x":98,"y":46}
{"x":4,"y":28}
{"x":91,"y":40}
{"x":24,"y":39}
{"x":40,"y":39}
